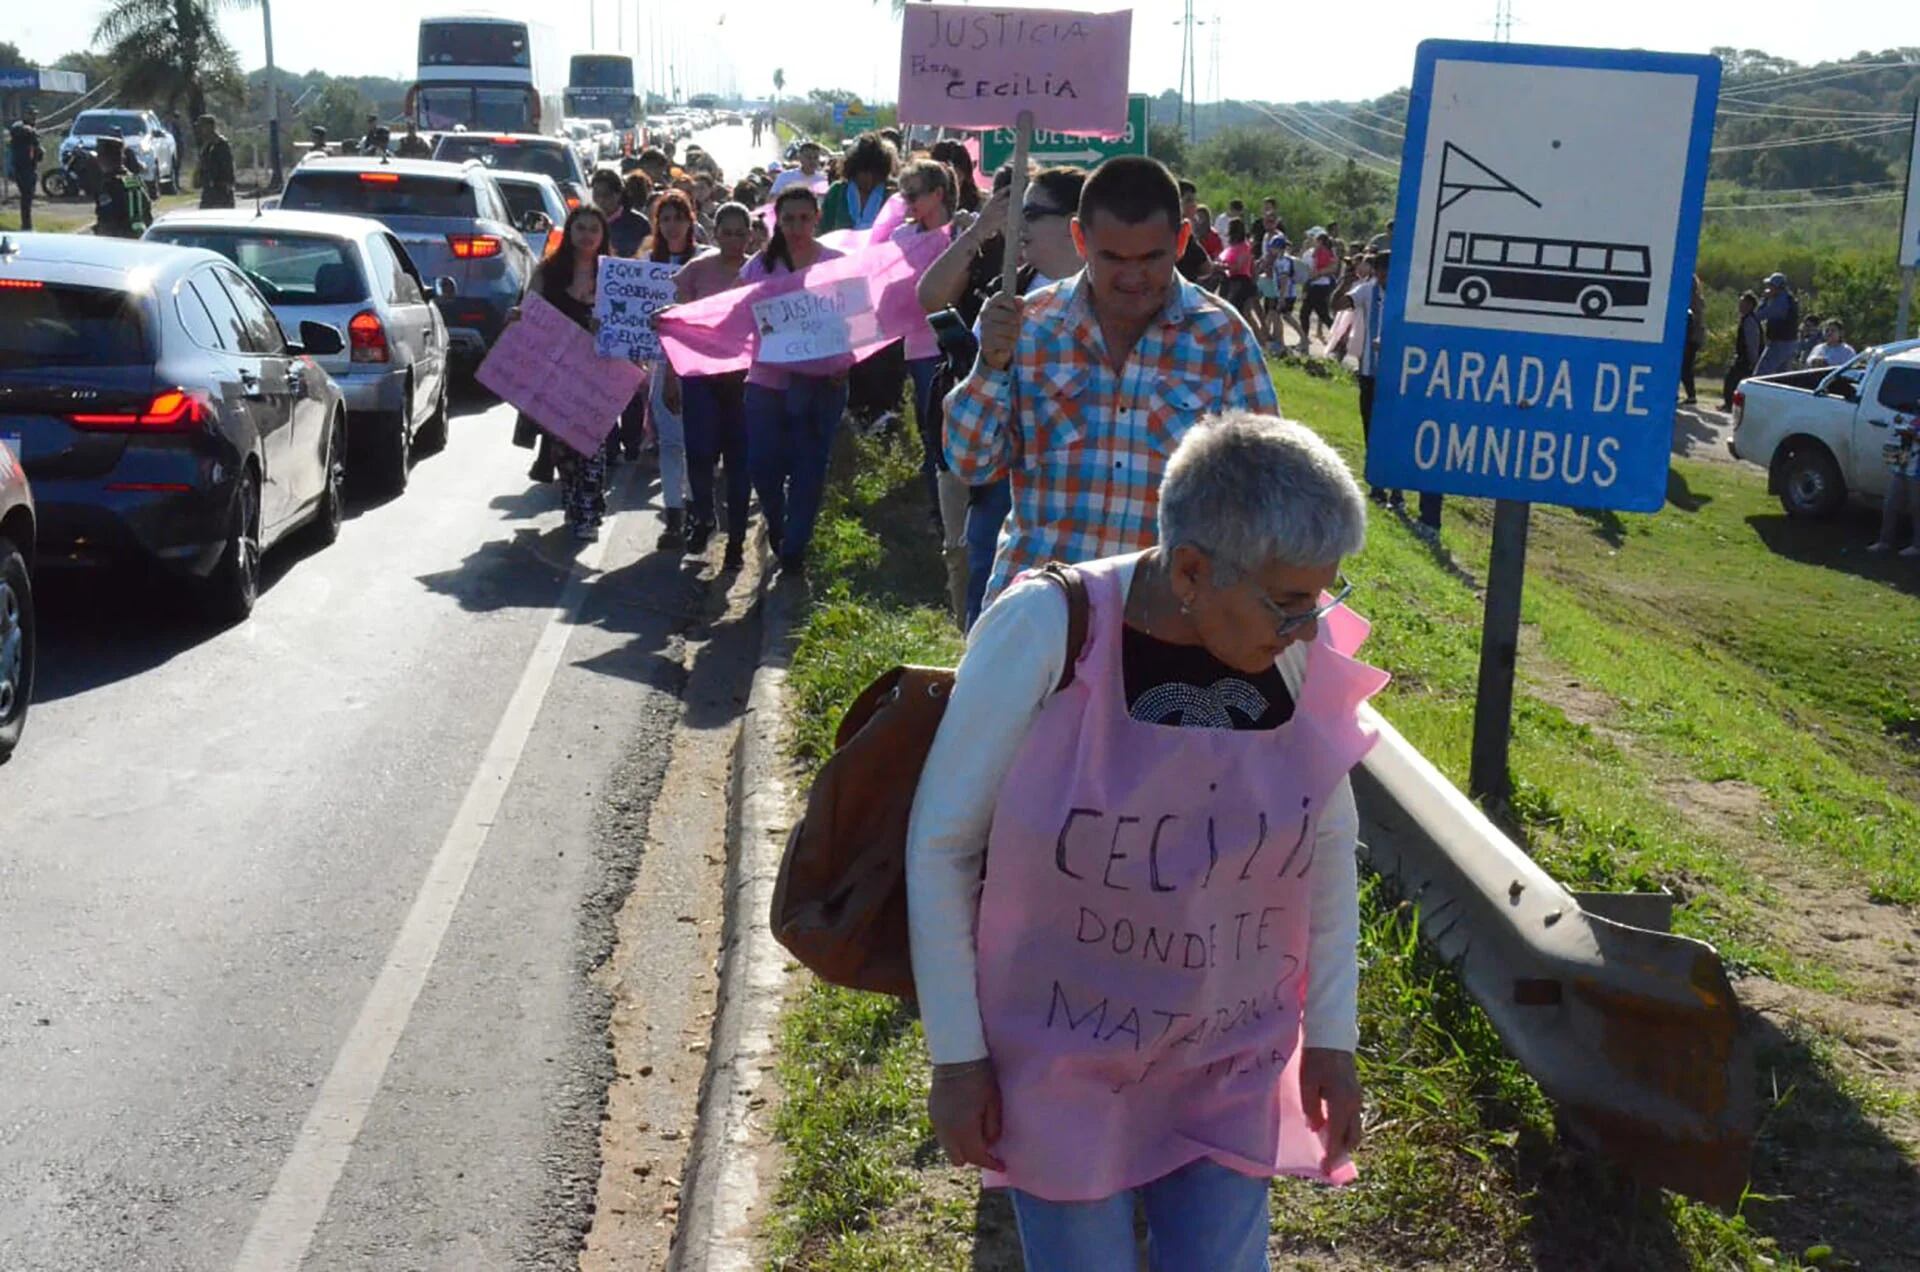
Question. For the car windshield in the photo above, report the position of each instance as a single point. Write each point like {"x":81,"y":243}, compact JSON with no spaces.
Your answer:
{"x":103,"y":123}
{"x":288,"y":269}
{"x":377,"y":194}
{"x":54,"y":325}
{"x":514,"y":156}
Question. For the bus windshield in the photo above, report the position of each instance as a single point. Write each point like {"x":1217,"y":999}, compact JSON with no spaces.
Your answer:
{"x":474,"y":44}
{"x":505,"y":109}
{"x":601,"y":71}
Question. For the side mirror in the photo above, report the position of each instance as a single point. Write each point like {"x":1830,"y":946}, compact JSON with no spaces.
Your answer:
{"x":320,"y":339}
{"x":444,"y":288}
{"x":536,"y":223}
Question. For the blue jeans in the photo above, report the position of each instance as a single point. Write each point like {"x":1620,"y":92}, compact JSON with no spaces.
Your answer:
{"x":714,"y":409}
{"x":789,"y":440}
{"x":985,"y":515}
{"x":1201,"y":1218}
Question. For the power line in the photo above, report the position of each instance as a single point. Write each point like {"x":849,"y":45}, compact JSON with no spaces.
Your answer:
{"x":1804,"y":203}
{"x":1342,"y":140}
{"x":1314,"y":141}
{"x":1808,"y":77}
{"x":1396,"y":133}
{"x":1781,"y":143}
{"x":1816,"y":114}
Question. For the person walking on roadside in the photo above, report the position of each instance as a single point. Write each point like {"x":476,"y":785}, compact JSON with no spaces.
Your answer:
{"x":215,"y":175}
{"x":1902,"y":454}
{"x":1184,"y":773}
{"x":1237,"y":287}
{"x":966,"y":193}
{"x":626,"y":228}
{"x":928,"y":189}
{"x":569,"y":280}
{"x":670,"y":244}
{"x":412,"y":145}
{"x":1081,"y":389}
{"x":1285,"y":270}
{"x":713,"y":407}
{"x":1194,"y":263}
{"x":1779,"y":315}
{"x":1323,"y":273}
{"x":1696,"y":336}
{"x":123,"y":208}
{"x":806,"y":174}
{"x":1369,"y":297}
{"x":866,"y":179}
{"x":792,"y":410}
{"x":1748,"y":340}
{"x":24,"y":155}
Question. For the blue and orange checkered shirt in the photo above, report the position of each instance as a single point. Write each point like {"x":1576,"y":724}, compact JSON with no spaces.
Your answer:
{"x":1086,"y":445}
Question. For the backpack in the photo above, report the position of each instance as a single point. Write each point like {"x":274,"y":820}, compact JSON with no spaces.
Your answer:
{"x":840,"y":902}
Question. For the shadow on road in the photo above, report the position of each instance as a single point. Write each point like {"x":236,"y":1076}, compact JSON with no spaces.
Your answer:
{"x":1839,"y":543}
{"x":1695,"y":431}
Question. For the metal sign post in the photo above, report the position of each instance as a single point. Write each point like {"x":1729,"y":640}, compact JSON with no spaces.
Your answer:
{"x":1529,"y":351}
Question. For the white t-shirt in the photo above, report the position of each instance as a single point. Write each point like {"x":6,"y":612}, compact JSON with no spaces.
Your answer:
{"x":793,"y":177}
{"x":1286,"y":272}
{"x":1831,"y":355}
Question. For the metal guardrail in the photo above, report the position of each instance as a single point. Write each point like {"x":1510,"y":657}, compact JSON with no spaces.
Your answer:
{"x":1634,"y":1034}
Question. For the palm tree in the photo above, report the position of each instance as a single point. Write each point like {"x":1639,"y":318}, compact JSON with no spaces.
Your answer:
{"x":779,"y":82}
{"x":168,"y":50}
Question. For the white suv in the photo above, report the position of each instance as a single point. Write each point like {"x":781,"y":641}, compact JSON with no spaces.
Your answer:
{"x":145,"y":136}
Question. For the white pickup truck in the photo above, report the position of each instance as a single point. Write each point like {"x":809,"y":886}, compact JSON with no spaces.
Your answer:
{"x":1821,"y":434}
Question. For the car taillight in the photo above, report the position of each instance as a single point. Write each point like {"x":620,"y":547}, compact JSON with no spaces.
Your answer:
{"x":380,"y":178}
{"x":573,"y":201}
{"x":1739,"y":405}
{"x":21,"y":284}
{"x":367,"y":337}
{"x":175,"y":411}
{"x":473,"y":247}
{"x":554,"y":238}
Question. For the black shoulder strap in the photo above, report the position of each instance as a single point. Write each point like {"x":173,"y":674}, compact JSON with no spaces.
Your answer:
{"x":1068,"y":580}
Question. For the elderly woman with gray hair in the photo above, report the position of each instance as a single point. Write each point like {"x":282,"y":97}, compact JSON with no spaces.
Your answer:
{"x":1150,"y":995}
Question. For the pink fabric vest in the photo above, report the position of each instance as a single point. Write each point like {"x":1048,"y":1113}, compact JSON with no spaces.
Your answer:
{"x":1143,"y":925}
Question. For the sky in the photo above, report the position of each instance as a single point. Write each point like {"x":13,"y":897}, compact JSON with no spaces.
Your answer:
{"x":1267,"y":51}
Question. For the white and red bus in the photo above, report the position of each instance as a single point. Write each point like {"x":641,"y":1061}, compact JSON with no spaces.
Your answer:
{"x":487,"y":74}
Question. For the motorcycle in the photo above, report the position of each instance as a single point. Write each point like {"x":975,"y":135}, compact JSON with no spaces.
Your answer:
{"x":78,"y":176}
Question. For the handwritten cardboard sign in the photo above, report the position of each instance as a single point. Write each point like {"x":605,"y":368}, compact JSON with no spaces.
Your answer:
{"x":631,"y":293}
{"x":805,"y":326}
{"x":545,"y":365}
{"x":974,"y":67}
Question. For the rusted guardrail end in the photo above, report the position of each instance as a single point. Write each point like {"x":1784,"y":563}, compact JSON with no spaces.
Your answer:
{"x":1636,"y":1035}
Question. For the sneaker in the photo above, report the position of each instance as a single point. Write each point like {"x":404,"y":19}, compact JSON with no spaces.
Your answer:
{"x":1911,"y":550}
{"x":1879,"y":545}
{"x":1378,"y":496}
{"x":1397,"y":501}
{"x":699,"y":534}
{"x":540,"y":472}
{"x":1426,"y":533}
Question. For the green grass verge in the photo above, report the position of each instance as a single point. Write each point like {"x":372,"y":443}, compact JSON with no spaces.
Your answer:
{"x":1705,"y":643}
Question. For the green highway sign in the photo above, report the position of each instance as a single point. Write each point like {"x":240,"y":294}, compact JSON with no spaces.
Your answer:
{"x":1050,"y":149}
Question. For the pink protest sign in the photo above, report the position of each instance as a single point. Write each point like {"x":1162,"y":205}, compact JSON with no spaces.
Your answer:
{"x":973,"y":67}
{"x":545,"y":365}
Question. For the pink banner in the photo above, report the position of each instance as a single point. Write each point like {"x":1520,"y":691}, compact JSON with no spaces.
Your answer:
{"x":545,"y":365}
{"x":969,"y":67}
{"x":719,"y":334}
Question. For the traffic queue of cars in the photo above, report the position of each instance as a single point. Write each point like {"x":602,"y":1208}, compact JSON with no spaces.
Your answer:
{"x":185,"y":403}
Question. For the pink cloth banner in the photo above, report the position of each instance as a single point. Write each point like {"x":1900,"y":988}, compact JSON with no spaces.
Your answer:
{"x":975,"y":67}
{"x":545,"y":365}
{"x":719,"y":334}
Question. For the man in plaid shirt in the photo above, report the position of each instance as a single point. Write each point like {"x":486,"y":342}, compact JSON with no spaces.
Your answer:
{"x":1081,"y":390}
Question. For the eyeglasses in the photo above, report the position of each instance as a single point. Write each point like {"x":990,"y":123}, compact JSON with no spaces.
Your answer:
{"x":1284,"y":622}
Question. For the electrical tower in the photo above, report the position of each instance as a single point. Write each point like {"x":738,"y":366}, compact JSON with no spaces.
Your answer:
{"x":1213,"y":66}
{"x":1503,"y":22}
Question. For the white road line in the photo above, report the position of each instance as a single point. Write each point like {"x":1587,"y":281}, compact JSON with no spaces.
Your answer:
{"x":288,"y":1220}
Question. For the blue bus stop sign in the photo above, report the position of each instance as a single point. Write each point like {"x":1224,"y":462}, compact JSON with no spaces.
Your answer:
{"x":1542,"y":267}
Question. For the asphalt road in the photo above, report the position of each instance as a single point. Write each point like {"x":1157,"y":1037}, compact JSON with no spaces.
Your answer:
{"x":295,"y":918}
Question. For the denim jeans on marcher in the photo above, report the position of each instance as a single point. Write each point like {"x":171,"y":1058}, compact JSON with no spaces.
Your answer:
{"x":1201,"y":1218}
{"x":985,"y":515}
{"x":789,"y":441}
{"x":714,"y":411}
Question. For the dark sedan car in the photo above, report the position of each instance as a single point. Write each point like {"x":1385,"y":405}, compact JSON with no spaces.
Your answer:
{"x":520,"y":152}
{"x":161,"y":413}
{"x":16,"y":599}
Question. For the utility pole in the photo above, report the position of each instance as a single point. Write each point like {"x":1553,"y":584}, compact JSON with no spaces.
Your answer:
{"x":274,"y":177}
{"x":593,"y":24}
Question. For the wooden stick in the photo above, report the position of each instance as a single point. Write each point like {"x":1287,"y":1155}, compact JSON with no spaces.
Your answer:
{"x":1016,"y":205}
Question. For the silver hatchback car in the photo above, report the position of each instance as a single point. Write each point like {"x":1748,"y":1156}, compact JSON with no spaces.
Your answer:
{"x":352,"y":274}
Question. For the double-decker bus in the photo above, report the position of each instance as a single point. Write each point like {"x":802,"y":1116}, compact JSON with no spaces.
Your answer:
{"x":600,"y":86}
{"x":1537,"y":275}
{"x":486,"y":74}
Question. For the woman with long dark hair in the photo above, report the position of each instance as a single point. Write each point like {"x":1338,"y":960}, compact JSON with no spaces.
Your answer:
{"x":713,"y":407}
{"x":966,"y":194}
{"x":866,"y":179}
{"x":569,"y":279}
{"x":671,"y":243}
{"x":792,"y":410}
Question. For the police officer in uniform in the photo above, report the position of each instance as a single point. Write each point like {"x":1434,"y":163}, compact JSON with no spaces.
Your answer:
{"x":23,"y":161}
{"x":215,"y":176}
{"x":123,"y":208}
{"x":412,"y":145}
{"x":370,"y":139}
{"x":317,"y":142}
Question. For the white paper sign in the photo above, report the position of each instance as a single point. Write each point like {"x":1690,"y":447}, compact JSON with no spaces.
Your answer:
{"x":631,"y":293}
{"x":804,"y":326}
